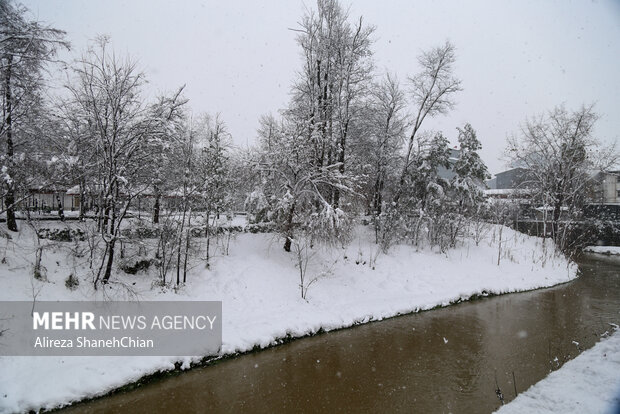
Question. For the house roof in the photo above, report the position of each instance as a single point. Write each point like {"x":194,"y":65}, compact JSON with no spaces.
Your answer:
{"x":511,"y":170}
{"x":75,"y":190}
{"x":507,"y":191}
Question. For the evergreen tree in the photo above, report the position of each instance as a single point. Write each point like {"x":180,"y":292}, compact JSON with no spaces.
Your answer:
{"x":470,"y":172}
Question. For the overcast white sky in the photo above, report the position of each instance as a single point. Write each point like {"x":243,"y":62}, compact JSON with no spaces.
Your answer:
{"x":516,"y":58}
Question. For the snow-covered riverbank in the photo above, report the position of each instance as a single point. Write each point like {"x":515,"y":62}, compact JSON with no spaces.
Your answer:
{"x":259,"y":287}
{"x":589,"y":383}
{"x":608,"y":250}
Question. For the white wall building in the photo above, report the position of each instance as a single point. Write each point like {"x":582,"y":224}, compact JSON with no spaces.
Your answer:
{"x":609,"y":187}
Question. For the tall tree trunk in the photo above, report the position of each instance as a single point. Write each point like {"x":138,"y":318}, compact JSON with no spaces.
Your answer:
{"x":381,"y":168}
{"x":108,"y":267}
{"x":557,"y":211}
{"x":377,"y":198}
{"x":106,"y":219}
{"x":113,"y":231}
{"x":82,"y":199}
{"x":157,"y":203}
{"x":341,"y":156}
{"x":61,"y":211}
{"x":179,"y":243}
{"x":188,"y":239}
{"x":289,"y":228}
{"x":208,"y":235}
{"x":403,"y":174}
{"x":9,"y":198}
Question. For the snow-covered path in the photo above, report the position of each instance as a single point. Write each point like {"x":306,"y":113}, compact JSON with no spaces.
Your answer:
{"x":589,"y":383}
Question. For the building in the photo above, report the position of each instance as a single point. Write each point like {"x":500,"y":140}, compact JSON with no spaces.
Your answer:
{"x":607,"y":190}
{"x":513,"y":178}
{"x":48,"y":198}
{"x":448,"y":173}
{"x":510,"y":185}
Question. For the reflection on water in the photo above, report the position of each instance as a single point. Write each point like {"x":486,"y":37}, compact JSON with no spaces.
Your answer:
{"x":441,"y":361}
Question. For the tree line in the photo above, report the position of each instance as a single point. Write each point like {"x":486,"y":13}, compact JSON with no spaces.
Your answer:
{"x":350,"y":142}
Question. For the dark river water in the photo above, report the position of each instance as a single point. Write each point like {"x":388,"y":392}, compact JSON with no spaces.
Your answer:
{"x":442,"y":361}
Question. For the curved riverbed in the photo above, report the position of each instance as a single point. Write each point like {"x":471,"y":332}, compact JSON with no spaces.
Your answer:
{"x":445,"y":360}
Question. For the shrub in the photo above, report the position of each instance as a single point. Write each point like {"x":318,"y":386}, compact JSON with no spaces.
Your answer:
{"x":72,"y":282}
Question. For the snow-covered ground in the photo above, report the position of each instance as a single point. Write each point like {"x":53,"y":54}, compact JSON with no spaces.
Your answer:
{"x":589,"y":383}
{"x":609,"y":250}
{"x":258,"y":284}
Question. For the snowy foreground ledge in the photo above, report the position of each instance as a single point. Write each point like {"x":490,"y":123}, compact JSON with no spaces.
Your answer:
{"x":259,"y":287}
{"x":589,"y":383}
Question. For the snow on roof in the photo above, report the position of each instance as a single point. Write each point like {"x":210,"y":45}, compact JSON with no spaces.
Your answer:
{"x":512,"y":170}
{"x":506,"y":191}
{"x":46,"y":189}
{"x":597,"y":173}
{"x":74,"y":190}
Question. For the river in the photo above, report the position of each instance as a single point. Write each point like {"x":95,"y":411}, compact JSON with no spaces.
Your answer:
{"x":448,"y":360}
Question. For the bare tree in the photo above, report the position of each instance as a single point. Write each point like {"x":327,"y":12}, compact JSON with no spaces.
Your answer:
{"x":433,"y":92}
{"x":107,"y":90}
{"x":25,"y":47}
{"x":332,"y":84}
{"x":169,"y":124}
{"x":559,"y":152}
{"x":212,"y":172}
{"x":291,"y":186}
{"x":388,"y":130}
{"x":303,"y":158}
